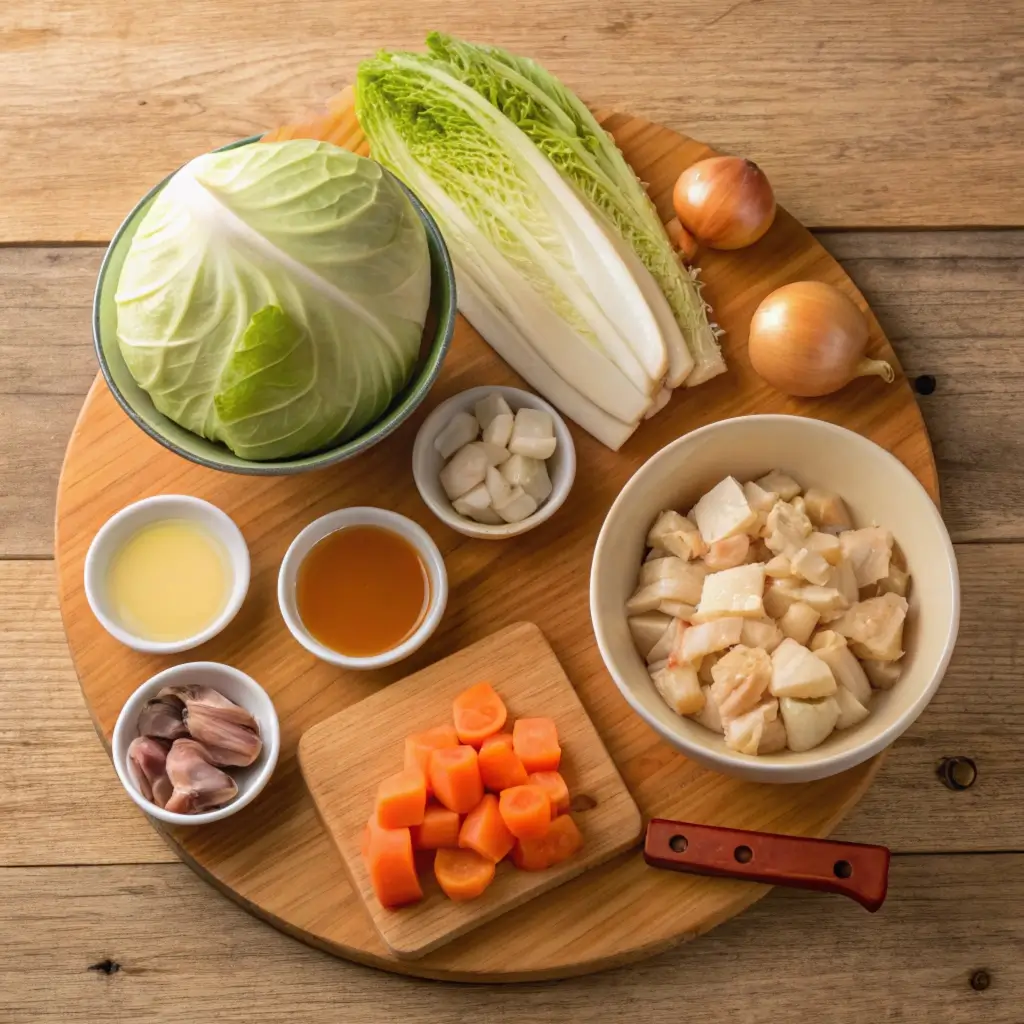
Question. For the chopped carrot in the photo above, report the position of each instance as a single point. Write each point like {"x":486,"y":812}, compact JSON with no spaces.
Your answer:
{"x":526,"y":811}
{"x":401,"y":799}
{"x":485,"y":831}
{"x":390,"y":863}
{"x":562,"y":842}
{"x":455,"y":778}
{"x":421,"y":745}
{"x":499,"y":766}
{"x":478,"y":712}
{"x":463,"y":874}
{"x":440,"y":827}
{"x":554,"y":785}
{"x":535,"y":741}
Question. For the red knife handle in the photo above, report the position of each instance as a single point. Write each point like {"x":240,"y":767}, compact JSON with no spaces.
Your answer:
{"x":850,"y":869}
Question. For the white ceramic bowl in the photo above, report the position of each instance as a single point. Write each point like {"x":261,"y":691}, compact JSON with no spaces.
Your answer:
{"x":427,"y":463}
{"x":116,"y":531}
{"x":234,"y":685}
{"x":878,"y":490}
{"x":362,"y":516}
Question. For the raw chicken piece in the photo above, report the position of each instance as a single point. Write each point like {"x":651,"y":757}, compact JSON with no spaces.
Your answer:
{"x":779,"y":567}
{"x":875,"y":627}
{"x":774,"y":737}
{"x":708,"y":637}
{"x":198,"y":785}
{"x":740,"y":679}
{"x":897,"y":582}
{"x":787,"y":528}
{"x":826,"y":545}
{"x":723,"y":511}
{"x":666,"y":642}
{"x":649,"y":597}
{"x":851,"y":711}
{"x":868,"y":551}
{"x":843,"y":579}
{"x":678,"y":610}
{"x":780,"y":483}
{"x":147,"y":759}
{"x":846,"y":669}
{"x":746,"y":733}
{"x":884,"y":675}
{"x":732,"y":592}
{"x":825,"y":601}
{"x":708,"y":716}
{"x":799,"y":621}
{"x":231,"y":736}
{"x":689,"y":574}
{"x":161,"y":718}
{"x":779,"y":594}
{"x":758,"y":498}
{"x":728,"y":553}
{"x":761,"y":633}
{"x":796,"y":672}
{"x":759,"y":552}
{"x":808,"y":722}
{"x":810,"y":565}
{"x":679,"y":688}
{"x":827,"y":511}
{"x":675,"y":533}
{"x":706,"y":666}
{"x":647,"y":630}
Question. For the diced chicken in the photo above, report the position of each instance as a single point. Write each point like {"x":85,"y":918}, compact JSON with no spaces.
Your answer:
{"x":868,"y":551}
{"x":826,"y":545}
{"x":676,"y":534}
{"x":741,"y":677}
{"x":706,"y":638}
{"x":689,"y":575}
{"x":774,"y":737}
{"x":533,"y":434}
{"x":842,"y":578}
{"x":779,"y":483}
{"x":897,"y":582}
{"x":796,"y":672}
{"x":499,"y":430}
{"x":490,"y":406}
{"x":530,"y":474}
{"x":649,"y":596}
{"x":732,"y":592}
{"x":476,"y":505}
{"x":883,"y":675}
{"x":518,"y":507}
{"x":786,"y":529}
{"x":667,"y":642}
{"x":846,"y":669}
{"x":467,"y":468}
{"x":827,"y":510}
{"x":461,"y":430}
{"x":761,"y":633}
{"x":799,"y":621}
{"x":678,"y":610}
{"x":707,"y":664}
{"x":874,"y":627}
{"x":778,"y":567}
{"x":647,"y":630}
{"x":679,"y":688}
{"x":759,"y":499}
{"x":851,"y":711}
{"x":708,"y":715}
{"x":723,"y":512}
{"x":779,"y":594}
{"x":498,"y":487}
{"x":811,"y":566}
{"x":825,"y":601}
{"x":747,"y":734}
{"x":808,"y":722}
{"x":728,"y":553}
{"x":759,"y":552}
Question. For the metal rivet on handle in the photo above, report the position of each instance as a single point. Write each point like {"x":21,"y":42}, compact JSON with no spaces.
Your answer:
{"x":958,"y":773}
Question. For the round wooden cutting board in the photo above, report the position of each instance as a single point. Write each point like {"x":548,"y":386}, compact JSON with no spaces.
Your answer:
{"x":274,"y":857}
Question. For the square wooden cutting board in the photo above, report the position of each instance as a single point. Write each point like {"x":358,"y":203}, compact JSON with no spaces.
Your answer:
{"x":345,"y":757}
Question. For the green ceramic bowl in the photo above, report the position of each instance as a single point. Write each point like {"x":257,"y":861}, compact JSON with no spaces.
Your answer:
{"x":437,"y":336}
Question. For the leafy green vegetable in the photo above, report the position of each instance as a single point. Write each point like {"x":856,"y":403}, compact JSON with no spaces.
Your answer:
{"x":274,"y":297}
{"x":566,"y":132}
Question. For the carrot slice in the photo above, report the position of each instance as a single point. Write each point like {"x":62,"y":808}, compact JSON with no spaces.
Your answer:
{"x":485,"y":831}
{"x":463,"y":874}
{"x":478,"y":712}
{"x":421,"y":745}
{"x":499,"y":766}
{"x":440,"y":827}
{"x":562,"y":841}
{"x":526,"y":811}
{"x":554,"y":785}
{"x":535,"y":741}
{"x":390,"y":863}
{"x":401,"y":799}
{"x":455,"y":778}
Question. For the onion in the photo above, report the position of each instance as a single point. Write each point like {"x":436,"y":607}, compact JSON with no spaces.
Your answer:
{"x":725,"y":202}
{"x":682,"y":241}
{"x":808,"y":339}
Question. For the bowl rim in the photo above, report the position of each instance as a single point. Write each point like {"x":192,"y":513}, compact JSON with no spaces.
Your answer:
{"x":467,"y":527}
{"x":415,"y":390}
{"x":238,"y":556}
{"x":363,"y":515}
{"x":270,"y":733}
{"x":751,"y":766}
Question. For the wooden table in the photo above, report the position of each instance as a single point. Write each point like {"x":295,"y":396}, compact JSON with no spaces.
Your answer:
{"x":879,"y":123}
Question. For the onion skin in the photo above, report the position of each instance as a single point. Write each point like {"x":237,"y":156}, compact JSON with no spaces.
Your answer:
{"x":725,"y":202}
{"x":808,"y":339}
{"x":682,"y":241}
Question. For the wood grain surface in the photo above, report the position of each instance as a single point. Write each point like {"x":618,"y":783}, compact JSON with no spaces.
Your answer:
{"x":868,"y":113}
{"x":109,"y":463}
{"x":345,"y":757}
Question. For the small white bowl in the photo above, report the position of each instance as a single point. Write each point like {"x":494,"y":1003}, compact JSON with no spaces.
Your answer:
{"x":234,"y":685}
{"x":116,"y":531}
{"x":427,"y":463}
{"x":878,"y":489}
{"x":362,"y":516}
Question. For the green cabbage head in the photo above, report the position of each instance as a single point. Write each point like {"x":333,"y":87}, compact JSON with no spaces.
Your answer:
{"x":274,"y":297}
